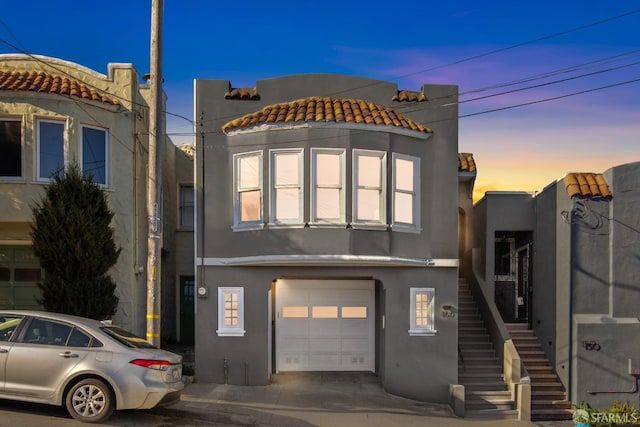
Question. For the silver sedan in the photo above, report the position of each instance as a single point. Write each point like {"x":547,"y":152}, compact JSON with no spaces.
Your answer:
{"x":88,"y":366}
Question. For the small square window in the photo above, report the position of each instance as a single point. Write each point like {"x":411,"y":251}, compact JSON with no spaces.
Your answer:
{"x":231,"y":312}
{"x":422,"y":312}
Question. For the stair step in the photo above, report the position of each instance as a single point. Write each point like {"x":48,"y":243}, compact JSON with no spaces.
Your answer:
{"x":540,"y":404}
{"x":476,"y":345}
{"x":478,"y":352}
{"x":473,"y":337}
{"x":481,"y":360}
{"x":479,"y":376}
{"x":551,"y":414}
{"x":544,"y":378}
{"x":547,"y":395}
{"x":485,"y":386}
{"x":532,"y":362}
{"x":493,"y":414}
{"x":555,"y":386}
{"x":475,"y":405}
{"x":479,"y":369}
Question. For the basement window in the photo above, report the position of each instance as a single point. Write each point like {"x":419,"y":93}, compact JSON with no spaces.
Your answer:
{"x":422,"y":315}
{"x":231,"y":312}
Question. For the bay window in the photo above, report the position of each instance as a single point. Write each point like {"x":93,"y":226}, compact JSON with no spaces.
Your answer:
{"x":10,"y":148}
{"x":287,"y":183}
{"x":369,"y":188}
{"x":95,"y":154}
{"x":50,"y":148}
{"x":327,"y":186}
{"x":406,"y":193}
{"x":247,"y":200}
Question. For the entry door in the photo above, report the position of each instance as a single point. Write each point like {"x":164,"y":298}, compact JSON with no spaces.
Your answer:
{"x":187,"y":294}
{"x":325,"y":325}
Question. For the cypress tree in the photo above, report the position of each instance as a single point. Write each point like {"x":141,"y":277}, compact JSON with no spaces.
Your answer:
{"x":73,"y":238}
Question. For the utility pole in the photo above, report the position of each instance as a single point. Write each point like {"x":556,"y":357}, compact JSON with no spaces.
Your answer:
{"x":154,"y":198}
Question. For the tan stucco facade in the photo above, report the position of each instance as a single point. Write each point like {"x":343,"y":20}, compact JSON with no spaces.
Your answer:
{"x":126,"y":165}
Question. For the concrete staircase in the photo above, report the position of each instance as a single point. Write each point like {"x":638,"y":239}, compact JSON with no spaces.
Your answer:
{"x":548,"y":398}
{"x":486,"y":394}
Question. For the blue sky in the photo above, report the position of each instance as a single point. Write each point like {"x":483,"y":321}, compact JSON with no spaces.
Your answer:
{"x":589,"y":44}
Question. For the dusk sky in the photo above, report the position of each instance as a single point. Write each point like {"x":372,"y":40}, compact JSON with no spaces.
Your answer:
{"x":577,"y":63}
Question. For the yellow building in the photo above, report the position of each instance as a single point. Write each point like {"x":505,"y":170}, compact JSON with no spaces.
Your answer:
{"x":53,"y":112}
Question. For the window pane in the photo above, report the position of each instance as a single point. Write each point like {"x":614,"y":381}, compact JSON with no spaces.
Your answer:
{"x":94,"y":152}
{"x":4,"y":274}
{"x":369,"y":171}
{"x":186,"y":206}
{"x":10,"y":148}
{"x":249,"y":172}
{"x":328,"y":169}
{"x":403,"y":208}
{"x":286,"y":166}
{"x":354,"y":312}
{"x":250,"y":206}
{"x":27,"y":274}
{"x":324,"y":312}
{"x":328,"y":203}
{"x":295,"y":312}
{"x":369,"y":205}
{"x":51,"y":139}
{"x":287,"y":203}
{"x":404,"y":175}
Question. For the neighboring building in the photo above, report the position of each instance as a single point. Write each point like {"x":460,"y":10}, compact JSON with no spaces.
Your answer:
{"x":566,"y":261}
{"x":326,"y":233}
{"x":183,"y":321}
{"x":53,"y":112}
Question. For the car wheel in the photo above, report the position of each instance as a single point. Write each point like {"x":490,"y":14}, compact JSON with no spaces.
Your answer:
{"x":90,"y":401}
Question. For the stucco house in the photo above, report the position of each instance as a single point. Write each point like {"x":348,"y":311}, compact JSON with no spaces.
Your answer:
{"x":53,"y":112}
{"x":326,"y":234}
{"x":564,"y":264}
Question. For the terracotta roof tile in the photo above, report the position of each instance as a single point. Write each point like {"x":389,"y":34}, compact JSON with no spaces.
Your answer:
{"x":586,"y":185}
{"x":245,"y":93}
{"x":466,"y":162}
{"x":325,"y":110}
{"x":409,"y":96}
{"x":39,"y":81}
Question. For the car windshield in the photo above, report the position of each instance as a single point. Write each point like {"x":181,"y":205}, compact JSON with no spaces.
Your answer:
{"x":126,"y":338}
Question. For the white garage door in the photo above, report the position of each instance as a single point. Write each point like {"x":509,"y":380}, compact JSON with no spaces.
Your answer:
{"x":325,"y":325}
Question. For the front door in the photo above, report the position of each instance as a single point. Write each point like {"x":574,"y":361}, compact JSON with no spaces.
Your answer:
{"x":522,"y":283}
{"x":187,"y":300}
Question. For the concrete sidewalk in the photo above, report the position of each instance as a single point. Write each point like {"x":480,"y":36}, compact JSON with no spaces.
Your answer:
{"x":321,"y":399}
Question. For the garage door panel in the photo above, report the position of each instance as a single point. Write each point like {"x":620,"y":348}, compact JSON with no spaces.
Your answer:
{"x":334,"y":318}
{"x":355,"y":345}
{"x":320,"y":361}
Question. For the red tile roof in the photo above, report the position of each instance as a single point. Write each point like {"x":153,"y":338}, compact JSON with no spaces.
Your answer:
{"x":244,"y":93}
{"x":466,"y":162}
{"x":325,"y":110}
{"x":39,"y":81}
{"x":586,"y":185}
{"x":409,"y":96}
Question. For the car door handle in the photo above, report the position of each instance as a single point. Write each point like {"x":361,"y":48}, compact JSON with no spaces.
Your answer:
{"x":68,"y":354}
{"x":4,"y":350}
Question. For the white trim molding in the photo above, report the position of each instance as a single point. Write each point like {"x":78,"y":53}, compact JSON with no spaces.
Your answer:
{"x":328,"y":260}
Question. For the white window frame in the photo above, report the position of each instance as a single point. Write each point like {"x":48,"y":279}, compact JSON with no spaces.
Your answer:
{"x":274,"y":221}
{"x":237,"y":223}
{"x":381,"y":224}
{"x":422,"y":330}
{"x":22,"y":130}
{"x":403,"y":226}
{"x":183,"y":205}
{"x":225,"y":330}
{"x":107,"y":160}
{"x":341,"y":220}
{"x":47,"y":178}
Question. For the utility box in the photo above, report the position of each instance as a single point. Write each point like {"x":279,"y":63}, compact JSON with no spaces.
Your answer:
{"x":634,"y":366}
